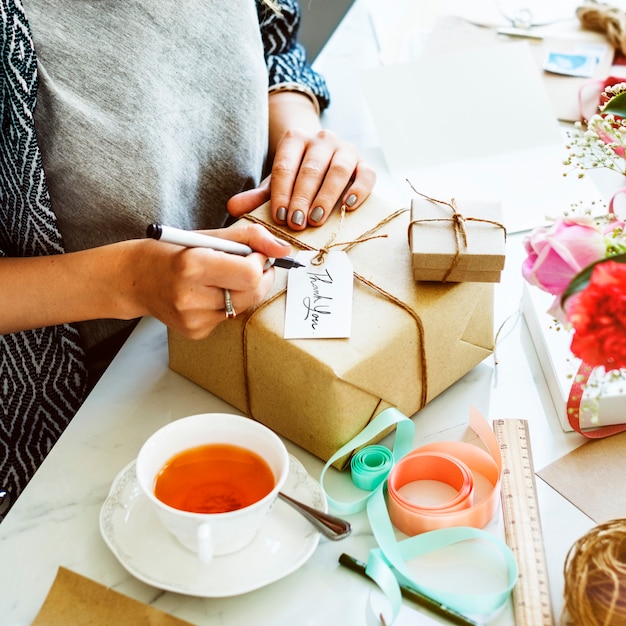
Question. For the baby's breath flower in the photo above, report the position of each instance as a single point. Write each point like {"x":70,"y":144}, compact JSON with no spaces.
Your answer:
{"x":599,"y":144}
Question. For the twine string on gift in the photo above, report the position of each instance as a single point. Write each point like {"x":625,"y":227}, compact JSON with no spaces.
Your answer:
{"x":318,"y":259}
{"x":366,"y":236}
{"x":458,"y":224}
{"x":420,"y":332}
{"x":595,"y":577}
{"x":331,"y":243}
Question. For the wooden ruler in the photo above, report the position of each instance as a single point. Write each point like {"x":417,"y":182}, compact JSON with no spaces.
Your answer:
{"x":522,"y":526}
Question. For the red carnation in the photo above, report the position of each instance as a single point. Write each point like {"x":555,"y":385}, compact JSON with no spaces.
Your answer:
{"x":598,"y":315}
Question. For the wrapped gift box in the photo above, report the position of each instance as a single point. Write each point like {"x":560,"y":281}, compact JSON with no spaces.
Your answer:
{"x":434,"y":245}
{"x":560,"y":366}
{"x":408,"y":341}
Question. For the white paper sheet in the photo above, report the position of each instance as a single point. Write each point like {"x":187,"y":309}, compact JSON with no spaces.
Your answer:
{"x":476,"y":125}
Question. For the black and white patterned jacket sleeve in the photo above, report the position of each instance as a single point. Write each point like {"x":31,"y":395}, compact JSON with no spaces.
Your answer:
{"x":42,"y":372}
{"x":285,"y":57}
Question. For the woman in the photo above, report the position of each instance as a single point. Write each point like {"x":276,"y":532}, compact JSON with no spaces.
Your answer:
{"x":145,"y":112}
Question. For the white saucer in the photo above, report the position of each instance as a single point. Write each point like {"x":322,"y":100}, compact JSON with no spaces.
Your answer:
{"x":147,"y":551}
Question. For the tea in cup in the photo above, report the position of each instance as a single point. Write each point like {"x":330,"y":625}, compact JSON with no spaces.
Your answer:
{"x":212,"y":479}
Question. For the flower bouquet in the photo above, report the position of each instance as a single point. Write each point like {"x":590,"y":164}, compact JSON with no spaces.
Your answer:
{"x":581,"y":262}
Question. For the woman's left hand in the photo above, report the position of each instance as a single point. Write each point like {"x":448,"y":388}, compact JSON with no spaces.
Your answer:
{"x":312,"y":173}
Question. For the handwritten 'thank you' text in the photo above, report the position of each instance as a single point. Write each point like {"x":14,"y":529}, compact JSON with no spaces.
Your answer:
{"x":317,"y":304}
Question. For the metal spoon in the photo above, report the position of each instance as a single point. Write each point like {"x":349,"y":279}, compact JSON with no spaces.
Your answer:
{"x":330,"y":526}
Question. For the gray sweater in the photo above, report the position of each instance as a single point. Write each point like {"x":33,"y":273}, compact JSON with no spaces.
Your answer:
{"x":146,"y":115}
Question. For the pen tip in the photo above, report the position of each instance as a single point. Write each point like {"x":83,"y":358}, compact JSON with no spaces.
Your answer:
{"x":285,"y":262}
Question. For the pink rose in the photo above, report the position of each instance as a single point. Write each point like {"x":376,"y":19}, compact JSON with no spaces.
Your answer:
{"x":556,"y":254}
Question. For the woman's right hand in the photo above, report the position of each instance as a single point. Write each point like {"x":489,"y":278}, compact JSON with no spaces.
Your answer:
{"x":182,"y":287}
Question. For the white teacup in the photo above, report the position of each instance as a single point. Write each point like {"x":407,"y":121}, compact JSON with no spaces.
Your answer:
{"x":213,"y":533}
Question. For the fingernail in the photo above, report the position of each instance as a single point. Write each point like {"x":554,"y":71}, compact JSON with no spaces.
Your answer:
{"x":317,"y":214}
{"x":298,"y":218}
{"x":281,"y":242}
{"x":351,"y":200}
{"x":281,"y":213}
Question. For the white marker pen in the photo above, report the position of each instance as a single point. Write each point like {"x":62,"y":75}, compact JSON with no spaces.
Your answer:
{"x":191,"y":239}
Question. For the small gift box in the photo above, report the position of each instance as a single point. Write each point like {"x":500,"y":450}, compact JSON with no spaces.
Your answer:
{"x":408,"y":341}
{"x":603,"y":398}
{"x":456,"y":243}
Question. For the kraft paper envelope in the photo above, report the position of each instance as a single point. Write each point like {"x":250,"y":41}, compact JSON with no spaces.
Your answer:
{"x":476,"y":124}
{"x":74,"y":600}
{"x":592,"y":478}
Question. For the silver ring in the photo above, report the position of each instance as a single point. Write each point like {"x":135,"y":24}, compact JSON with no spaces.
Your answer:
{"x":228,"y":305}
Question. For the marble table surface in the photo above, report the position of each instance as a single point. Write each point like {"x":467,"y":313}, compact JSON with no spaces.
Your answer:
{"x":56,"y":521}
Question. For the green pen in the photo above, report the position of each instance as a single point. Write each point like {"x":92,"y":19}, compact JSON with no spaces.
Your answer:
{"x":454,"y":617}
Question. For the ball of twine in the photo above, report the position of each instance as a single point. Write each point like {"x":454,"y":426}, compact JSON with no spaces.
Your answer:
{"x":595,"y":577}
{"x":602,"y":18}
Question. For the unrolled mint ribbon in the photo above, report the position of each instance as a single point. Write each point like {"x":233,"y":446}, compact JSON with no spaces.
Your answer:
{"x":456,"y":521}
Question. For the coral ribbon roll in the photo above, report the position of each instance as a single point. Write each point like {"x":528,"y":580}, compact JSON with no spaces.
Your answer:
{"x":458,"y":464}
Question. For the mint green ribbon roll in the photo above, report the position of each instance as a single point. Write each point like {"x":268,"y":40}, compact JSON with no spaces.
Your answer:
{"x":370,"y":466}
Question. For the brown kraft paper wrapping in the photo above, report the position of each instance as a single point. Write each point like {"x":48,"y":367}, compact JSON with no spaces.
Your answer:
{"x":409,"y":340}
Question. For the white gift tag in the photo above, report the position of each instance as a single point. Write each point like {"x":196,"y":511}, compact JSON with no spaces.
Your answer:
{"x":319,"y":297}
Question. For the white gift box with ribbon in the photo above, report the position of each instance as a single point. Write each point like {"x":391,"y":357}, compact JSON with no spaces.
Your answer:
{"x":604,"y":398}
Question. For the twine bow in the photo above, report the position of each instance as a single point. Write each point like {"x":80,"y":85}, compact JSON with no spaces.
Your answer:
{"x":318,"y":259}
{"x":458,"y":226}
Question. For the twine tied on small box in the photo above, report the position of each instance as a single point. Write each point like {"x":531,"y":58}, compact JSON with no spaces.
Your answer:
{"x":458,"y":225}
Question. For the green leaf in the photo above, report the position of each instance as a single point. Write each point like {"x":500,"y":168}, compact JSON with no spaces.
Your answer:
{"x":581,"y":281}
{"x":616,"y":105}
